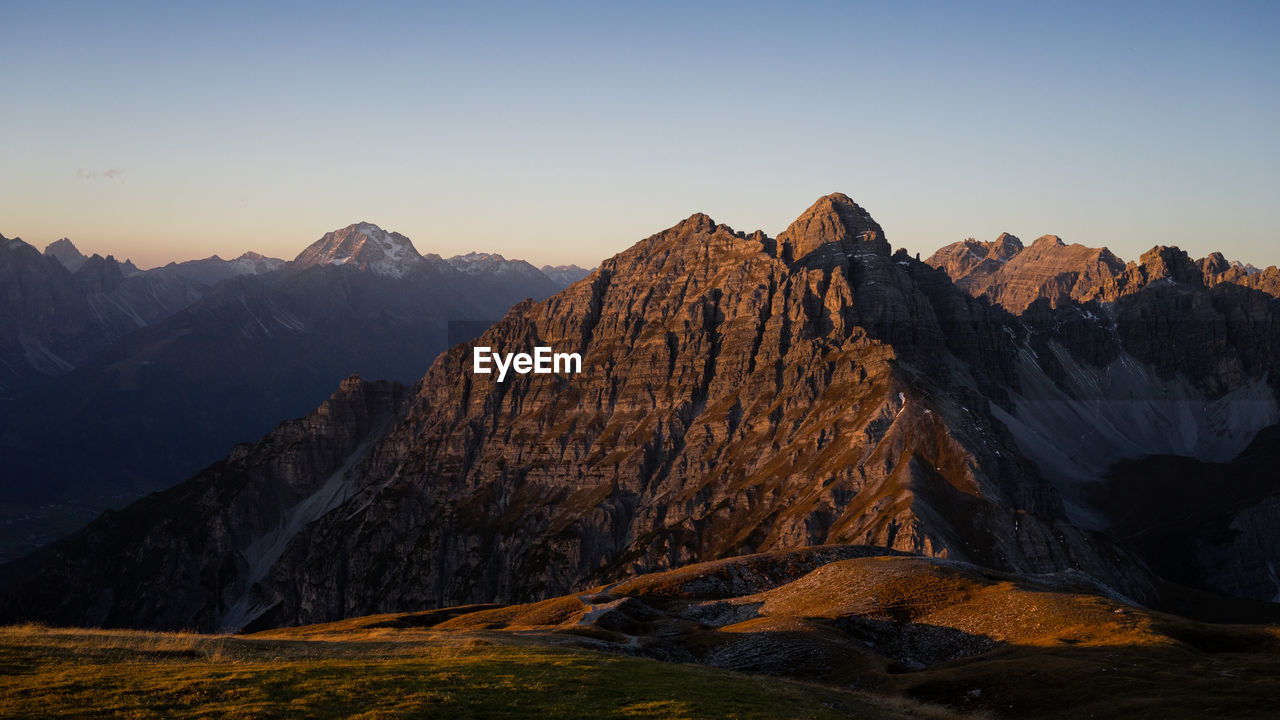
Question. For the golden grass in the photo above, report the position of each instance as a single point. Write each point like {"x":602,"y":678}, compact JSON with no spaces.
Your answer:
{"x":47,"y":672}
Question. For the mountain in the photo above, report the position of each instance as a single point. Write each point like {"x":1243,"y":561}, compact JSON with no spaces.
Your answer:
{"x":166,"y":400}
{"x":65,"y":252}
{"x":213,"y":270}
{"x":45,"y":320}
{"x":738,"y":394}
{"x":59,"y":309}
{"x":1216,"y":270}
{"x":1159,"y":439}
{"x":515,"y":270}
{"x":1013,"y":276}
{"x":564,"y":275}
{"x":365,"y":246}
{"x":53,"y":319}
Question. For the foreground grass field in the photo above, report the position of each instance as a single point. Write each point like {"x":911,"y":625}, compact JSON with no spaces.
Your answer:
{"x":383,"y":674}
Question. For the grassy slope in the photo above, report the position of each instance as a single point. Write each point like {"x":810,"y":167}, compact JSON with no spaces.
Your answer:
{"x":1052,"y":653}
{"x":381,"y":674}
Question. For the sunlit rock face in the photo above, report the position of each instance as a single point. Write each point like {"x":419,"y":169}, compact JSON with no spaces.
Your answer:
{"x":739,"y":394}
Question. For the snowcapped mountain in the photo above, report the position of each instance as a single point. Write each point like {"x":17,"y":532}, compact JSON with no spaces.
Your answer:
{"x":564,"y":275}
{"x":366,"y":246}
{"x":476,"y":263}
{"x":256,"y":263}
{"x":213,"y":269}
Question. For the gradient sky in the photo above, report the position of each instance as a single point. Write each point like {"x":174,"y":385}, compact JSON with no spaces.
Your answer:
{"x":565,"y":133}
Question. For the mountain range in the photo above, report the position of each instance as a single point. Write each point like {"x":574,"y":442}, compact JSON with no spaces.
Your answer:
{"x":740,"y":394}
{"x":1014,"y":276}
{"x":140,"y":379}
{"x":60,"y":308}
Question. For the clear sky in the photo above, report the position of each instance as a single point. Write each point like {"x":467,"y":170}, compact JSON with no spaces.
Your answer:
{"x":565,"y":133}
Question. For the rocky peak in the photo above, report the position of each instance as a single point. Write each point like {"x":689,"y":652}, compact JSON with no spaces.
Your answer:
{"x":1213,"y":264}
{"x":696,"y":223}
{"x":352,"y":383}
{"x":1005,"y":247}
{"x":970,"y":260}
{"x":564,"y":275}
{"x":99,"y":274}
{"x":252,"y":263}
{"x":11,"y":243}
{"x":1015,"y":276}
{"x":1169,"y":262}
{"x":365,"y":246}
{"x":65,"y":252}
{"x":474,"y":263}
{"x":834,"y":220}
{"x":1217,"y":270}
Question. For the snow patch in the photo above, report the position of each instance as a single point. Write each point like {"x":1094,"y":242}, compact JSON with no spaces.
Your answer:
{"x":367,"y":246}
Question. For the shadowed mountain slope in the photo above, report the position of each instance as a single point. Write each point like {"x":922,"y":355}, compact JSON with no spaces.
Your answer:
{"x":59,"y":309}
{"x":163,"y":401}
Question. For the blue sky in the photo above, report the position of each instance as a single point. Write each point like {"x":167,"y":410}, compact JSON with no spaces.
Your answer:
{"x":566,"y":132}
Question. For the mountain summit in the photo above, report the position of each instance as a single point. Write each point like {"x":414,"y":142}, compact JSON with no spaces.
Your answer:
{"x":363,"y":245}
{"x":66,"y":253}
{"x":835,"y":223}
